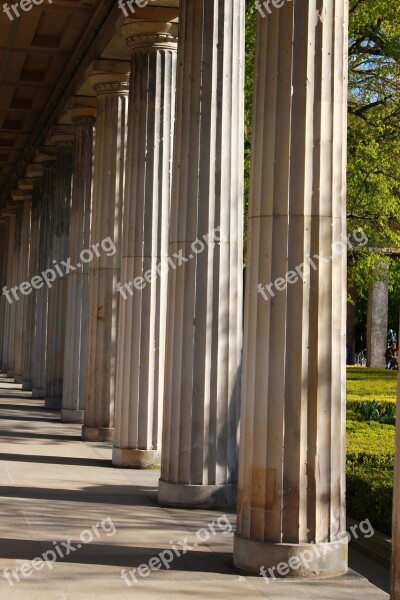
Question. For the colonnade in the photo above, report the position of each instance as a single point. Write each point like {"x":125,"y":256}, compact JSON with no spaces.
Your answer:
{"x":141,"y":194}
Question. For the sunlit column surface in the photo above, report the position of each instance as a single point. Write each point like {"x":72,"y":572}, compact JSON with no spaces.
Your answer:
{"x":83,"y":114}
{"x":291,"y":492}
{"x":395,"y":591}
{"x":35,"y":174}
{"x":64,"y":140}
{"x":142,"y":313}
{"x":204,"y":323}
{"x":111,"y":87}
{"x":45,"y":157}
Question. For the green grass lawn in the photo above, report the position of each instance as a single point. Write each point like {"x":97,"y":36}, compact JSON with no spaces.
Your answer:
{"x":369,"y":439}
{"x":371,"y":384}
{"x":371,"y":406}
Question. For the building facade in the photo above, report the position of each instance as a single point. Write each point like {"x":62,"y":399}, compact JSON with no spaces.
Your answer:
{"x":121,"y":252}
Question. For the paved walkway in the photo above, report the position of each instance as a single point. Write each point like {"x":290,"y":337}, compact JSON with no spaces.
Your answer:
{"x":54,"y":487}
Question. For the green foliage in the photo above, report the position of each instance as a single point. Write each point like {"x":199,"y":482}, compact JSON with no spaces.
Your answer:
{"x":370,"y":438}
{"x":370,"y":473}
{"x":251,"y":14}
{"x":382,"y":412}
{"x":371,"y":384}
{"x":370,"y":496}
{"x":374,"y":132}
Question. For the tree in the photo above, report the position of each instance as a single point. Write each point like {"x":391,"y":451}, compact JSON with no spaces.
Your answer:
{"x":373,"y":199}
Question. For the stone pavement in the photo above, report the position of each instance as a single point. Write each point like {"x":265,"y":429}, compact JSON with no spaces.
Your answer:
{"x":54,"y":487}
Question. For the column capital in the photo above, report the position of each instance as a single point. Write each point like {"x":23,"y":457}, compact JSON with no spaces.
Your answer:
{"x":46,"y":155}
{"x":110,"y":83}
{"x":82,"y":110}
{"x":109,"y":76}
{"x":25,"y":184}
{"x":34,"y":171}
{"x":8,"y":212}
{"x":63,"y":136}
{"x":159,"y":35}
{"x":20,"y":195}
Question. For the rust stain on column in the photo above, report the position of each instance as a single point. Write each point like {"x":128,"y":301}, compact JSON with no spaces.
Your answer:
{"x":263,"y":488}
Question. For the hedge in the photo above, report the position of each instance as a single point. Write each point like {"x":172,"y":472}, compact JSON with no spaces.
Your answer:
{"x":367,"y":410}
{"x":371,"y":384}
{"x":370,"y":464}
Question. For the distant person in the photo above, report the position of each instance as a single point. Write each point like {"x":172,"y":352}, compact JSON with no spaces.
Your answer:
{"x":392,"y":356}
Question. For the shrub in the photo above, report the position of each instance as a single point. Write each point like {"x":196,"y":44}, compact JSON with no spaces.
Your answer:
{"x":371,"y":384}
{"x":370,"y":495}
{"x":370,"y":464}
{"x":370,"y":438}
{"x":383,"y":412}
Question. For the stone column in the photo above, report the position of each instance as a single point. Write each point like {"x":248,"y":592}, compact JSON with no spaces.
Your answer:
{"x":9,"y":306}
{"x":23,"y":198}
{"x":47,"y":158}
{"x":18,"y":198}
{"x":35,"y":174}
{"x":83,"y":114}
{"x":15,"y":343}
{"x":110,"y":82}
{"x":64,"y":139}
{"x":291,"y":492}
{"x":377,"y":322}
{"x":143,"y":308}
{"x":204,"y":325}
{"x":395,"y":591}
{"x":4,"y":231}
{"x":351,"y":324}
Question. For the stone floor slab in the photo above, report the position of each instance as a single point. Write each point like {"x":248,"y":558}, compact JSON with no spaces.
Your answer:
{"x":54,"y":488}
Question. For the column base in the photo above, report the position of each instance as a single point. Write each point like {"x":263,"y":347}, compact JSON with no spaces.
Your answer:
{"x":291,"y":560}
{"x":38,"y":392}
{"x":197,"y":496}
{"x":97,"y":434}
{"x":72,"y":416}
{"x":136,"y":459}
{"x":52,"y":403}
{"x":18,"y":379}
{"x":10,"y":374}
{"x":26,"y":386}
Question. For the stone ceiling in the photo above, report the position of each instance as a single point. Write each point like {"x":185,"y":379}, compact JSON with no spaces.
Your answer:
{"x":44,"y":54}
{"x":40,"y":54}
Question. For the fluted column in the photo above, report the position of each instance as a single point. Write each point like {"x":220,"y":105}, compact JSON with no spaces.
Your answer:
{"x":395,"y":590}
{"x":104,"y":270}
{"x":56,"y":325}
{"x":11,"y":217}
{"x":143,"y":309}
{"x":83,"y":115}
{"x":291,"y":493}
{"x":204,"y":324}
{"x":14,"y":339}
{"x":35,"y":174}
{"x":47,"y":159}
{"x":377,"y":320}
{"x":23,"y":197}
{"x":4,"y":231}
